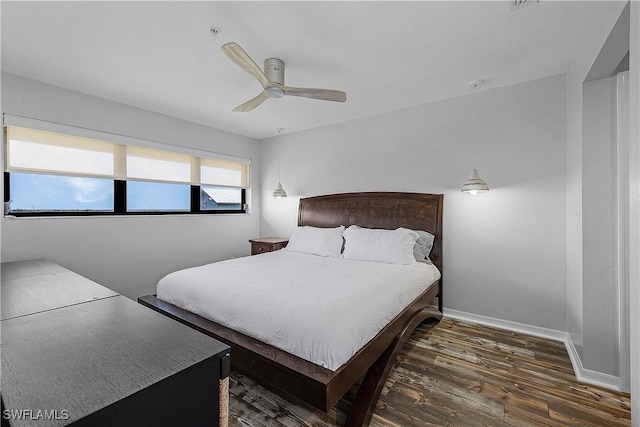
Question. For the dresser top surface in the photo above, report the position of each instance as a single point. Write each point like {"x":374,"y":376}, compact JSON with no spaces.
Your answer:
{"x":39,"y":285}
{"x":87,"y":356}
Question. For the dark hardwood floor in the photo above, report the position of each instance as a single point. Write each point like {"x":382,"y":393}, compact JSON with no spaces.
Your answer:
{"x":458,"y":374}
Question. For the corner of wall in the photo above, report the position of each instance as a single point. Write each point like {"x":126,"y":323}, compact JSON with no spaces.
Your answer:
{"x":589,"y":376}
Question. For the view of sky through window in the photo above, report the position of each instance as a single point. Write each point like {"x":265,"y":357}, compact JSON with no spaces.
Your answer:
{"x":157,"y":196}
{"x":50,"y":193}
{"x":60,"y":193}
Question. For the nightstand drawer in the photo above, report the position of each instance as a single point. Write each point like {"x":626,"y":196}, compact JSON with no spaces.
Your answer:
{"x":258,"y":248}
{"x":267,"y":244}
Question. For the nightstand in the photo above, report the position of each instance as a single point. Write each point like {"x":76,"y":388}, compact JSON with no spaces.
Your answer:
{"x":267,"y":244}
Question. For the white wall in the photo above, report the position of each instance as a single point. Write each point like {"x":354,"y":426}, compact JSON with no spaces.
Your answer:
{"x":584,"y":58}
{"x":599,"y":226}
{"x":127,"y":254}
{"x":504,"y":250}
{"x":574,"y":212}
{"x":634,"y":208}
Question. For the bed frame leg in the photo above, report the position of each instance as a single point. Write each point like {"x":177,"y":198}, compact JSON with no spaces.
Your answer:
{"x":367,"y":397}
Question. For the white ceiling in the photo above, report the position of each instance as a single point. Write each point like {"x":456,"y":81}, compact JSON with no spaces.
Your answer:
{"x":386,"y":55}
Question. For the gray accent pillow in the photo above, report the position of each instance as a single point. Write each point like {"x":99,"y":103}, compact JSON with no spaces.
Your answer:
{"x":423,"y":246}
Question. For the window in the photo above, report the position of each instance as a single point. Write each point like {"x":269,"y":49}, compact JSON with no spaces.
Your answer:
{"x":51,"y":173}
{"x":143,"y":196}
{"x":57,"y":193}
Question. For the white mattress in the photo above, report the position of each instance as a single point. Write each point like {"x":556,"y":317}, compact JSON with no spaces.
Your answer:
{"x":321,"y":309}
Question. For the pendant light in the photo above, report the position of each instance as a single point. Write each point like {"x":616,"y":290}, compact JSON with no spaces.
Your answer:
{"x":279,"y":192}
{"x":474,"y":184}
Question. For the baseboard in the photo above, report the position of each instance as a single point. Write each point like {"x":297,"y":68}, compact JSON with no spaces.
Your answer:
{"x":583,"y":375}
{"x":587,"y":375}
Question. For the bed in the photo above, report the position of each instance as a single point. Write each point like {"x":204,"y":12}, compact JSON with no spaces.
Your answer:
{"x":323,"y":383}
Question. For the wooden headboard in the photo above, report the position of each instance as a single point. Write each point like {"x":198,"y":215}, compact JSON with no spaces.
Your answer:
{"x":388,"y":210}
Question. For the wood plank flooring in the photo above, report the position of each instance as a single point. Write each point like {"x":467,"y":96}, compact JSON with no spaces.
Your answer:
{"x":455,"y":373}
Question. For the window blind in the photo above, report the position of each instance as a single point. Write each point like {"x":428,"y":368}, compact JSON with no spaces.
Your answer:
{"x":155,"y":165}
{"x":39,"y":151}
{"x":30,"y":150}
{"x":223,"y":173}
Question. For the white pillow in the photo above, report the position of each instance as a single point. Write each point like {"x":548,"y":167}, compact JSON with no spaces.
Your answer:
{"x":316,"y":241}
{"x":389,"y":246}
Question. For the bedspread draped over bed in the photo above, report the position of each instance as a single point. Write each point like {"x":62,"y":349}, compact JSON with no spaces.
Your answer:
{"x":321,"y":309}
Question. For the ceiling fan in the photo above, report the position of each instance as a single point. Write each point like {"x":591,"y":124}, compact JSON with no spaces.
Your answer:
{"x":272,"y":80}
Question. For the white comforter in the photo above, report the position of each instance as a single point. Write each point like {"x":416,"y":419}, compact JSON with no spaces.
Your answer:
{"x":321,"y":309}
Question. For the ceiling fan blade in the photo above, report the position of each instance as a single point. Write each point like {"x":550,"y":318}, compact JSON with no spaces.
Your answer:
{"x":324,"y":94}
{"x":244,"y":61}
{"x":252,"y":103}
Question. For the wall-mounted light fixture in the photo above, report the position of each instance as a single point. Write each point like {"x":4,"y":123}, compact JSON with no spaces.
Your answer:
{"x":279,"y":192}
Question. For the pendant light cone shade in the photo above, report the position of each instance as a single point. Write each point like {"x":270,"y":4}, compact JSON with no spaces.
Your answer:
{"x":475,"y":184}
{"x":279,"y":192}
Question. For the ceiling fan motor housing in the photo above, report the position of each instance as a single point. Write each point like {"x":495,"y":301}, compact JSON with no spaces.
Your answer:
{"x":274,"y":70}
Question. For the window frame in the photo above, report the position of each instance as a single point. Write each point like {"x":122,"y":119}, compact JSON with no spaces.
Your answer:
{"x":120,"y":204}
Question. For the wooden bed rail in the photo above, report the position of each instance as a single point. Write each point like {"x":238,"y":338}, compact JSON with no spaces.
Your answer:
{"x":371,"y":387}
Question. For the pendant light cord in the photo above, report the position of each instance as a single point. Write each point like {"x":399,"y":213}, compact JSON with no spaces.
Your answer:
{"x":279,"y":151}
{"x":475,"y":149}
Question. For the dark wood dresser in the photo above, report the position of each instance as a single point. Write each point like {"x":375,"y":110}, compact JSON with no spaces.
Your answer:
{"x":267,"y":244}
{"x":77,"y":353}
